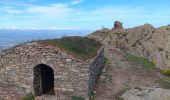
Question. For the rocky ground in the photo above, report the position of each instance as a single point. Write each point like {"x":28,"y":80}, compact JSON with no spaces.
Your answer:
{"x":119,"y":75}
{"x":124,"y":79}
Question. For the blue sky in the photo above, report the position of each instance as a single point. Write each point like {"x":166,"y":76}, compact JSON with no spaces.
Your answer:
{"x":83,"y":14}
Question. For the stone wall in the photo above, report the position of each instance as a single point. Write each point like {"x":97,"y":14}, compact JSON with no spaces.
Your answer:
{"x":71,"y":75}
{"x":95,"y":69}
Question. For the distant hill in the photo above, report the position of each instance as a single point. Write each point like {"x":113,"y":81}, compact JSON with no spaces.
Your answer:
{"x":12,"y":37}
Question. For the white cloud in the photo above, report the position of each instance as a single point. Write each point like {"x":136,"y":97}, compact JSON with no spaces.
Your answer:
{"x":10,"y":10}
{"x":76,"y":2}
{"x":61,"y":11}
{"x":108,"y":13}
{"x":50,"y":11}
{"x":58,"y":13}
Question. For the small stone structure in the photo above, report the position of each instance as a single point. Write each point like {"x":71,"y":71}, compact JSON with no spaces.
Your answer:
{"x":46,"y":70}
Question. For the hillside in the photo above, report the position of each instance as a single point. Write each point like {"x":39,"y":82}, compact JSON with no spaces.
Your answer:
{"x":146,"y":41}
{"x":134,"y":59}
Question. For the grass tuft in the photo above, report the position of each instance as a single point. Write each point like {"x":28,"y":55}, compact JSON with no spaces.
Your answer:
{"x":166,"y":72}
{"x":140,"y":61}
{"x":117,"y":33}
{"x":28,"y":97}
{"x":92,"y":96}
{"x":106,"y":61}
{"x":76,"y":98}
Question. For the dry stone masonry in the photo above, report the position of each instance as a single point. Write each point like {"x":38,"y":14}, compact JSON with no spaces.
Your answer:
{"x":44,"y":69}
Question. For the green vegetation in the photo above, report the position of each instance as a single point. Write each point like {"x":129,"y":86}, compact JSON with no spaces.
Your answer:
{"x":106,"y":61}
{"x":118,"y":33}
{"x":140,"y":61}
{"x":81,"y":47}
{"x":168,"y":28}
{"x":92,"y":96}
{"x":119,"y":95}
{"x":76,"y":98}
{"x":163,"y":83}
{"x":166,"y":72}
{"x":28,"y":97}
{"x":126,"y":88}
{"x":120,"y":98}
{"x":165,"y":27}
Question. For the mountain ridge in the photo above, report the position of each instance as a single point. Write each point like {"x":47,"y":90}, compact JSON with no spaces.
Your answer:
{"x":145,"y":40}
{"x":132,"y":70}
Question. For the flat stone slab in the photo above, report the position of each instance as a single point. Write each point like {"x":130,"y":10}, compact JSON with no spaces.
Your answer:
{"x":147,"y":93}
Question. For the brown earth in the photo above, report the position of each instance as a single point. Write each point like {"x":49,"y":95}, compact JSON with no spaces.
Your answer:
{"x":119,"y":75}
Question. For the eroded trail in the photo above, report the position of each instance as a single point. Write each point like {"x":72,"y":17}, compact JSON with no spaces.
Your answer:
{"x":120,"y":74}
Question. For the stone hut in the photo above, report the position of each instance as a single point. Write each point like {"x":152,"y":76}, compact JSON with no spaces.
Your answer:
{"x":46,"y":70}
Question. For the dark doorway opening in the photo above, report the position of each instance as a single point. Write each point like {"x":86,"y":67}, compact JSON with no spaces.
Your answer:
{"x":43,"y":80}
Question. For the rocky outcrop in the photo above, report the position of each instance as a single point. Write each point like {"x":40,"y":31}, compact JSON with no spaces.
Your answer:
{"x":146,"y":40}
{"x":149,"y":42}
{"x":117,"y":26}
{"x":145,"y":93}
{"x":105,"y":35}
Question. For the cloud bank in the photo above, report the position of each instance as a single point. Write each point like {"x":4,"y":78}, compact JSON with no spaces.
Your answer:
{"x":66,"y":15}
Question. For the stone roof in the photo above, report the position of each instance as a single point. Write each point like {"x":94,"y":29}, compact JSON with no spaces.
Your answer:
{"x":80,"y":48}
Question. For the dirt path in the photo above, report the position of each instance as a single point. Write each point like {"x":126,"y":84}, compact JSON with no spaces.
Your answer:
{"x":121,"y":74}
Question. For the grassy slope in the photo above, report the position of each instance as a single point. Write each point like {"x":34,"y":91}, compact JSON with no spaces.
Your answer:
{"x":140,"y":61}
{"x":81,"y":47}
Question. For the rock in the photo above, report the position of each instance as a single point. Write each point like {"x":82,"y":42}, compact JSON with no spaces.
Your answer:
{"x":117,"y":26}
{"x":105,"y":36}
{"x":145,"y":93}
{"x":33,"y":43}
{"x":149,"y":42}
{"x":138,"y":33}
{"x":145,"y":40}
{"x":68,"y":60}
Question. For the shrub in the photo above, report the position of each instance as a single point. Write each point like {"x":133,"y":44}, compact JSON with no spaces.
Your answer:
{"x":166,"y":72}
{"x":140,"y":61}
{"x":28,"y":97}
{"x":76,"y":98}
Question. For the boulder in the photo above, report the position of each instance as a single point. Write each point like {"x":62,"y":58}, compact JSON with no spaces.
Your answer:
{"x":146,"y":93}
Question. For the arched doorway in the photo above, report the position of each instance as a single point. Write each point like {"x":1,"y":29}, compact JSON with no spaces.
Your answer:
{"x":43,"y":80}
